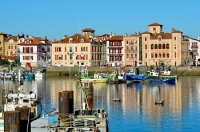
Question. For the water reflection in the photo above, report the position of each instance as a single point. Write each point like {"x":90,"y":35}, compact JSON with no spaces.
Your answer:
{"x":137,"y":110}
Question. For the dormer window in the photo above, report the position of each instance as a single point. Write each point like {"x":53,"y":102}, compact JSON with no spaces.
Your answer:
{"x":159,"y":38}
{"x":82,"y":40}
{"x":70,"y":40}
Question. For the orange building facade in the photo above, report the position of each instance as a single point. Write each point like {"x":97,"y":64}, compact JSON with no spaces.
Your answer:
{"x":160,"y":48}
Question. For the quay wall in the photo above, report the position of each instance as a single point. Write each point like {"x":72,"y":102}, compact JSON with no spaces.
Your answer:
{"x":68,"y":71}
{"x":71,"y":71}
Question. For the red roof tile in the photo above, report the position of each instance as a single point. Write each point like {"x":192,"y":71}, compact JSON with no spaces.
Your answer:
{"x":116,"y":38}
{"x":155,"y":24}
{"x":11,"y":37}
{"x":76,"y":38}
{"x":88,"y":30}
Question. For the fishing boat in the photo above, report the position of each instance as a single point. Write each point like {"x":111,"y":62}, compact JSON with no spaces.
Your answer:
{"x":96,"y":78}
{"x":133,"y":76}
{"x":153,"y":74}
{"x":15,"y":99}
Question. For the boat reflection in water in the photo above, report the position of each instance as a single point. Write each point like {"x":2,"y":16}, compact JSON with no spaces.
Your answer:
{"x":134,"y":85}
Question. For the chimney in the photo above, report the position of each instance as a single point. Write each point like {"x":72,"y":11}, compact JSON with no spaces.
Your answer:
{"x":65,"y":36}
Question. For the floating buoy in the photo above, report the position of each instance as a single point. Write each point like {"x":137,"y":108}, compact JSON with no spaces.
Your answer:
{"x":159,"y":102}
{"x":117,"y":100}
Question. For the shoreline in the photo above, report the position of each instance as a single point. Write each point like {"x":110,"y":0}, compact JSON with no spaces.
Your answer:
{"x":71,"y":71}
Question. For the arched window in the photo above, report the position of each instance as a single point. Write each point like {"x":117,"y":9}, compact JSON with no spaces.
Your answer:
{"x":155,"y":46}
{"x":167,"y":46}
{"x":163,"y":55}
{"x":160,"y":55}
{"x":159,"y":46}
{"x":155,"y":55}
{"x":163,"y":46}
{"x":152,"y":46}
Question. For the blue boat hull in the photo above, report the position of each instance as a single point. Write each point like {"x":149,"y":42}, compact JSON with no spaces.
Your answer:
{"x":135,"y":77}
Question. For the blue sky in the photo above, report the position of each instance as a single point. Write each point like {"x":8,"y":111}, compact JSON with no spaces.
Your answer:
{"x":55,"y":18}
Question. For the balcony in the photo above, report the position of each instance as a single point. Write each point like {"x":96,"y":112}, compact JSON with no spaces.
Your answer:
{"x":70,"y":52}
{"x":194,"y":47}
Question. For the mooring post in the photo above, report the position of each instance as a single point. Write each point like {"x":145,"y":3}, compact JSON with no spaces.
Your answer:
{"x":25,"y":118}
{"x":12,"y":121}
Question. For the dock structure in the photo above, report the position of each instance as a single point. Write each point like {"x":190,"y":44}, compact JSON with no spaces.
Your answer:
{"x":66,"y":119}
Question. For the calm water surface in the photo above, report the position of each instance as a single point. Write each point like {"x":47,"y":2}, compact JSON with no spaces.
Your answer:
{"x":137,"y":110}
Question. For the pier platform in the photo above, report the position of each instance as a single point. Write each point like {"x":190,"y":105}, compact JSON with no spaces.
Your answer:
{"x":40,"y":125}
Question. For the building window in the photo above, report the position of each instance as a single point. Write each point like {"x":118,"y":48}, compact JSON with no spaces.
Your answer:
{"x":152,"y":46}
{"x":151,"y":55}
{"x":175,"y":54}
{"x":145,"y":39}
{"x":145,"y":46}
{"x":83,"y":48}
{"x":167,"y":46}
{"x":70,"y":49}
{"x":135,"y":56}
{"x":131,"y":47}
{"x":163,"y":55}
{"x":155,"y":55}
{"x":154,"y":29}
{"x":0,"y":42}
{"x":145,"y":55}
{"x":160,"y":55}
{"x":126,"y":41}
{"x":174,"y":38}
{"x":163,"y":46}
{"x":159,"y":46}
{"x":159,"y":38}
{"x":110,"y":44}
{"x":70,"y":57}
{"x":167,"y":55}
{"x":70,"y":40}
{"x":155,"y":46}
{"x":126,"y":55}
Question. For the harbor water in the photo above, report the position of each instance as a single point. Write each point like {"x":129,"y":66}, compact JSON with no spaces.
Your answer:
{"x":137,"y":110}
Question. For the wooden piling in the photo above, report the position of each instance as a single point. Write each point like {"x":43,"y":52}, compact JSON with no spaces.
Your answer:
{"x":63,"y":102}
{"x":66,"y":106}
{"x":90,"y":96}
{"x":25,"y":118}
{"x":12,"y":121}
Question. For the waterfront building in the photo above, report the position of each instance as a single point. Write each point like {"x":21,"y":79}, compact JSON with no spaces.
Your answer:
{"x":102,"y":40}
{"x":160,"y":48}
{"x":195,"y":50}
{"x":35,"y":51}
{"x":115,"y":51}
{"x":131,"y":49}
{"x":3,"y":36}
{"x":11,"y":48}
{"x":78,"y":50}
